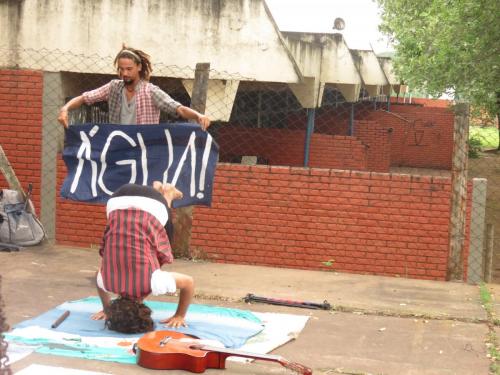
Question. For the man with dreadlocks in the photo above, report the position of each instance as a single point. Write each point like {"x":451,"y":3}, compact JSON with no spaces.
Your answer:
{"x":132,"y":99}
{"x":135,"y":246}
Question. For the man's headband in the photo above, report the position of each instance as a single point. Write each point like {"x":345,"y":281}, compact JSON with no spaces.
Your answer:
{"x":132,"y":53}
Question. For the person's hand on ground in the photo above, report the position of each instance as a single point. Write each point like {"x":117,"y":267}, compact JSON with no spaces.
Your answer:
{"x":174,"y":322}
{"x":101,"y":315}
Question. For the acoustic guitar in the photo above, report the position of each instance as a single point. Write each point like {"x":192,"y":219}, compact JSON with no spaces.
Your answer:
{"x":170,"y":350}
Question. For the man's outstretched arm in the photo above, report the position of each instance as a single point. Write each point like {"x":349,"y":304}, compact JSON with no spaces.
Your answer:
{"x":190,"y":114}
{"x":105,"y":300}
{"x":186,"y":285}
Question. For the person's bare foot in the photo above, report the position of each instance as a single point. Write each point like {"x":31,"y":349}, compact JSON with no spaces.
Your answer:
{"x":169,"y":191}
{"x":157,"y":185}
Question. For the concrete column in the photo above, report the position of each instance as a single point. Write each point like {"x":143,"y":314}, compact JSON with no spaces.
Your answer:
{"x":220,"y":97}
{"x":184,"y":215}
{"x":477,"y":229}
{"x":458,"y":201}
{"x":52,"y":135}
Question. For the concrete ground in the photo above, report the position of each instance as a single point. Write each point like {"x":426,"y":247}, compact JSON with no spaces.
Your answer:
{"x":378,"y":325}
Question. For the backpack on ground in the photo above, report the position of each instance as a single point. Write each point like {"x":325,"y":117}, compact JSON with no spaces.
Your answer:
{"x":18,"y":222}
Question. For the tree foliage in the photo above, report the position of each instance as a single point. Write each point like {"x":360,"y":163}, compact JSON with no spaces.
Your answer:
{"x":447,"y":45}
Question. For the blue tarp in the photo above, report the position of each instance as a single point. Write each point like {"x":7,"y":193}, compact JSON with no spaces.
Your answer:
{"x":231,"y":327}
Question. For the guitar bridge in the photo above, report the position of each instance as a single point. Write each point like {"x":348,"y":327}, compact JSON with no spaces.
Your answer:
{"x":165,"y":341}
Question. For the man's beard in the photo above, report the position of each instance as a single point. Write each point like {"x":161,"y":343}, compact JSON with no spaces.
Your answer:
{"x":128,"y":81}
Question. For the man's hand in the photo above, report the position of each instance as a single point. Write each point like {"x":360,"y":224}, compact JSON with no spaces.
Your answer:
{"x":204,"y":121}
{"x":101,"y":315}
{"x":190,"y":114}
{"x":63,"y":117}
{"x":175,"y":321}
{"x":72,"y":104}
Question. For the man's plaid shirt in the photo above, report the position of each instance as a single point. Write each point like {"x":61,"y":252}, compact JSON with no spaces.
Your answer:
{"x":150,"y":100}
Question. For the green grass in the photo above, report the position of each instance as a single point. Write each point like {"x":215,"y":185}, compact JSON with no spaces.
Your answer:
{"x":485,"y":296}
{"x":487,"y":135}
{"x":492,"y":339}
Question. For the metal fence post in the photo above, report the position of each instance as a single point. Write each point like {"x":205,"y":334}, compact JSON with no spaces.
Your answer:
{"x":310,"y":130}
{"x":184,"y":215}
{"x":458,"y":202}
{"x":351,"y":120}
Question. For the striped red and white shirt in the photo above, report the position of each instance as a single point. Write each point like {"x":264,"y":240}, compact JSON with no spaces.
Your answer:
{"x":135,"y":243}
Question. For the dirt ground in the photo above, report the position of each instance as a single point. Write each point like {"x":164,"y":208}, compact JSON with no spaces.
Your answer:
{"x":378,"y":325}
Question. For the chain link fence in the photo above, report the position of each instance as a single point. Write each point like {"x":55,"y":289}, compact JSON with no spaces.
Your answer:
{"x":264,"y":123}
{"x":484,"y":169}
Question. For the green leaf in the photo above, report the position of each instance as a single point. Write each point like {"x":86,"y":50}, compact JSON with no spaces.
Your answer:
{"x":443,"y":44}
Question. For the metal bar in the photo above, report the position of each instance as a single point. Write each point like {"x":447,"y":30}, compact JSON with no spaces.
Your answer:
{"x":283,"y":302}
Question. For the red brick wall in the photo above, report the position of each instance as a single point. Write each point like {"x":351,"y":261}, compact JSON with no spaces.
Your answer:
{"x":337,"y":151}
{"x":277,"y":146}
{"x":421,"y":138}
{"x":286,"y":147}
{"x":293,"y":217}
{"x":21,"y":126}
{"x":434,"y":126}
{"x":418,"y":109}
{"x":439,"y":103}
{"x":280,"y":216}
{"x":379,"y":143}
{"x":374,"y":223}
{"x":77,"y":224}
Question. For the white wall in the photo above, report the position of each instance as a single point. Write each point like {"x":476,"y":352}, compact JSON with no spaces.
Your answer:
{"x":234,"y":36}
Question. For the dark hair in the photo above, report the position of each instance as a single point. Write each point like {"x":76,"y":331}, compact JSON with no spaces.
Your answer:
{"x":126,"y":315}
{"x":139,"y":57}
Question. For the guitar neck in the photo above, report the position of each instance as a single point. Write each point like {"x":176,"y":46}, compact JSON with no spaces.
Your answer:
{"x":241,"y":353}
{"x":265,"y":357}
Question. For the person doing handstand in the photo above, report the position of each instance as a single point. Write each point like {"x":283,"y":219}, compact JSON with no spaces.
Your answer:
{"x":135,"y":245}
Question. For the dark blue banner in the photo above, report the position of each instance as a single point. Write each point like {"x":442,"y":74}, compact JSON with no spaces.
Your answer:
{"x":101,"y":158}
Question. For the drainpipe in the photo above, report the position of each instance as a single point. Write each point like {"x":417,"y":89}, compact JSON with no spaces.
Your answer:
{"x":389,"y":103}
{"x":311,"y":113}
